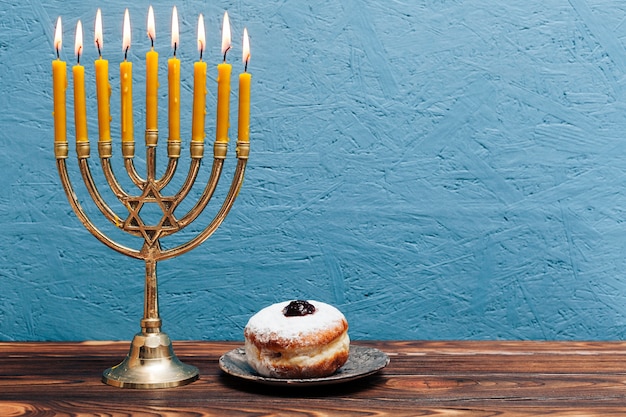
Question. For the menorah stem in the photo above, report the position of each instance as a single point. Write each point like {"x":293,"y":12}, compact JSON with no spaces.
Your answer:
{"x":151,"y":322}
{"x":151,"y":143}
{"x":151,"y":362}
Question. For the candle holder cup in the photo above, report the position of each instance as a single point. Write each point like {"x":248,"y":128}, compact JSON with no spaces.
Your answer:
{"x":151,"y":362}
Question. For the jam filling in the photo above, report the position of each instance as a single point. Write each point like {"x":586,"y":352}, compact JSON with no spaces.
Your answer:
{"x":298,"y":308}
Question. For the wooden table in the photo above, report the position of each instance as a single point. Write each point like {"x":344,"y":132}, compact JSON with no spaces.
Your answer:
{"x":477,"y":378}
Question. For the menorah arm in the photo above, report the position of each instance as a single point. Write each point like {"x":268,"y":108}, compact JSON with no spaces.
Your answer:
{"x":132,"y":173}
{"x":220,"y":150}
{"x":105,"y":152}
{"x":194,"y":167}
{"x":173,"y":152}
{"x":168,"y":174}
{"x":217,"y":220}
{"x":82,"y":216}
{"x":196,"y":210}
{"x":95,"y":194}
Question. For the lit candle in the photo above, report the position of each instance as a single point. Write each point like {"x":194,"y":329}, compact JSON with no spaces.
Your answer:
{"x":152,"y":77}
{"x":59,"y":85}
{"x":103,"y":88}
{"x":173,"y":82}
{"x":80,"y":102}
{"x":243,"y":128}
{"x":126,"y":81}
{"x":199,"y":89}
{"x":223,"y":87}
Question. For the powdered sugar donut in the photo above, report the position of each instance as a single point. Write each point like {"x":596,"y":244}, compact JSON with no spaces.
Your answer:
{"x":297,"y":339}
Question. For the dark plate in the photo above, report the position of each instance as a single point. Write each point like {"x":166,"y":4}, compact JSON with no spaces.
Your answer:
{"x":363,"y":361}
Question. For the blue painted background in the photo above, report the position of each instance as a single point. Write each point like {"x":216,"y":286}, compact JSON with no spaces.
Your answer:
{"x":436,"y":169}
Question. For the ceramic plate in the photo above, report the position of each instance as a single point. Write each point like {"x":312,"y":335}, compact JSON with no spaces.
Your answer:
{"x":363,"y":361}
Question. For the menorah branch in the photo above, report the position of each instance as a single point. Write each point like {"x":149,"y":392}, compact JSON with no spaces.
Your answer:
{"x":196,"y":210}
{"x":192,"y":174}
{"x":95,"y":194}
{"x":82,"y":216}
{"x":217,"y":220}
{"x":172,"y":163}
{"x":114,"y":185}
{"x":134,"y":176}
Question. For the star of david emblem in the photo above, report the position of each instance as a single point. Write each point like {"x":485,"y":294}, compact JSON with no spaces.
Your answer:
{"x":150,"y":232}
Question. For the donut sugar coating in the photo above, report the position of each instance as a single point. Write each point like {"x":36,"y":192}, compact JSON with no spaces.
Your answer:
{"x":297,"y":339}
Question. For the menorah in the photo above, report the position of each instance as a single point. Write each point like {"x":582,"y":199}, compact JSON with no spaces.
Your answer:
{"x":151,"y":362}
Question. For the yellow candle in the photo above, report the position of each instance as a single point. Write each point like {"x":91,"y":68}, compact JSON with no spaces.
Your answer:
{"x":152,"y":77}
{"x":103,"y":92}
{"x":173,"y":65}
{"x":103,"y":88}
{"x":244,"y":107}
{"x":173,"y":82}
{"x":243,"y":128}
{"x":126,"y":76}
{"x":223,"y":102}
{"x":199,"y":89}
{"x":223,"y":87}
{"x":199,"y":101}
{"x":126,"y":84}
{"x":80,"y":102}
{"x":59,"y":85}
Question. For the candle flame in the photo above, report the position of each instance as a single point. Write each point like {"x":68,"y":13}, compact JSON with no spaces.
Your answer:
{"x":151,"y":26}
{"x":78,"y":44}
{"x":58,"y":36}
{"x":126,"y":32}
{"x":225,"y":35}
{"x":201,"y":34}
{"x":98,"y":31}
{"x":246,"y":47}
{"x":175,"y":41}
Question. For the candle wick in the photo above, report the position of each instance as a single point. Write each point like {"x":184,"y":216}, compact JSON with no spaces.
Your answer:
{"x":151,"y":42}
{"x":126,"y":53}
{"x":201,"y":50}
{"x":80,"y":48}
{"x":245,"y":67}
{"x":58,"y":57}
{"x":175,"y":45}
{"x":225,"y":52}
{"x":98,"y":46}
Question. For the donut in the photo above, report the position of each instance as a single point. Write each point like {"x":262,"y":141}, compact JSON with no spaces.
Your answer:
{"x":297,"y":339}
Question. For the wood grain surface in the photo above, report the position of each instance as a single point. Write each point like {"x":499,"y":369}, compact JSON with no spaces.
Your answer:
{"x":477,"y":378}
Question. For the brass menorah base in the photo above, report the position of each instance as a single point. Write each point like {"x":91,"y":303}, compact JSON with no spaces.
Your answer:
{"x":151,"y":362}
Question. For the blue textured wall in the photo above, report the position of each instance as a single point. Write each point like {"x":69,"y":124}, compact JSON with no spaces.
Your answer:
{"x":436,"y":169}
